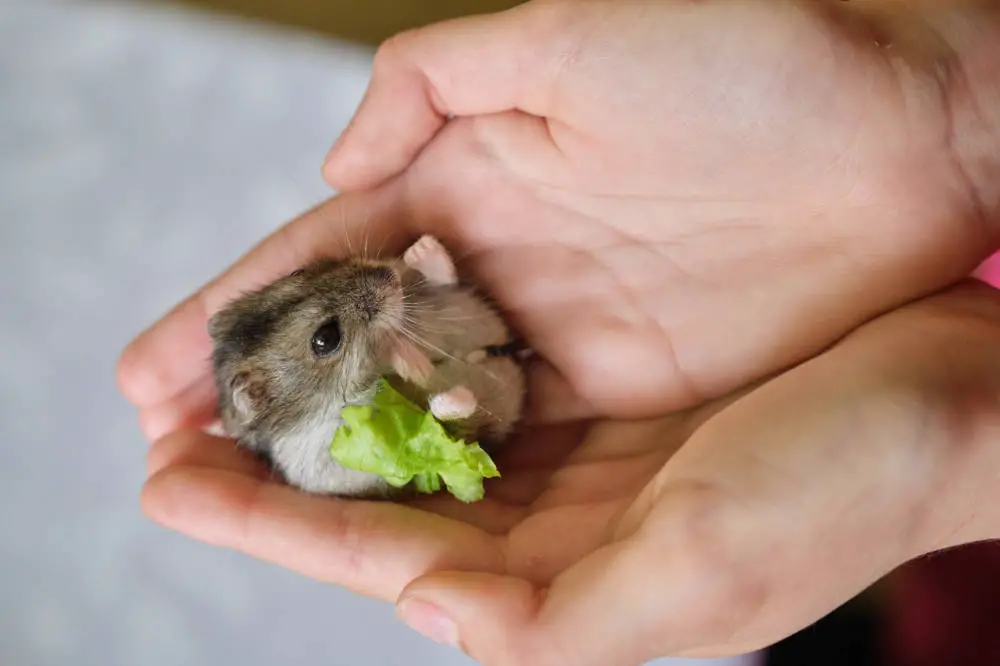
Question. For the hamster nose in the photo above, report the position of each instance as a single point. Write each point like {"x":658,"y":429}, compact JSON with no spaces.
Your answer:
{"x":381,"y":286}
{"x":383,"y":275}
{"x":371,"y":307}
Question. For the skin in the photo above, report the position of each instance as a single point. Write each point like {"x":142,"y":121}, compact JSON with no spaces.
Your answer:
{"x":738,"y":267}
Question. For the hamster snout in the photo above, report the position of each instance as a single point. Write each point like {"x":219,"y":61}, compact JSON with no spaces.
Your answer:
{"x":380,"y":297}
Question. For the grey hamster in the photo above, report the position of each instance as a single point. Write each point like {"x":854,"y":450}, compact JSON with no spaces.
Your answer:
{"x":289,"y":357}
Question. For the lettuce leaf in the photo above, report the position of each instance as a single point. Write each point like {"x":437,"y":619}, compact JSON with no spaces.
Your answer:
{"x":402,"y":443}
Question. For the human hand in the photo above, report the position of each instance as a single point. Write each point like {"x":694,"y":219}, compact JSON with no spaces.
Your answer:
{"x":679,"y":209}
{"x":626,"y":308}
{"x":713,"y":190}
{"x":715,"y":531}
{"x":753,"y":529}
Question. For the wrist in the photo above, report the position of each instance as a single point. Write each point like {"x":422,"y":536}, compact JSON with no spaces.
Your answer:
{"x":970,"y":78}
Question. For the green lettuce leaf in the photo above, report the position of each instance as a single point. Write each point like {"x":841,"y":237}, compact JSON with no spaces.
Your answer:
{"x":402,"y":443}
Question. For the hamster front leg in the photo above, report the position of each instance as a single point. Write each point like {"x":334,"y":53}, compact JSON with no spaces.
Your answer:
{"x":429,"y":258}
{"x":474,"y":400}
{"x":455,"y":404}
{"x":409,"y":362}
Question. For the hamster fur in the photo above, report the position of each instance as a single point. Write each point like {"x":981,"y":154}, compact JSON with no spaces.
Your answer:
{"x":289,"y":357}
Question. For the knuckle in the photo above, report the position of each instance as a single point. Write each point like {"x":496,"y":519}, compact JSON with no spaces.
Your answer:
{"x":168,"y":451}
{"x":554,"y":13}
{"x":346,"y":530}
{"x":394,"y":51}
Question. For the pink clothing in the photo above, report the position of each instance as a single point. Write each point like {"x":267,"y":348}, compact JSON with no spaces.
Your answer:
{"x":990,"y":271}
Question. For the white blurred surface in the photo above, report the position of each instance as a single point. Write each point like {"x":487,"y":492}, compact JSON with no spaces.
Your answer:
{"x":142,"y":151}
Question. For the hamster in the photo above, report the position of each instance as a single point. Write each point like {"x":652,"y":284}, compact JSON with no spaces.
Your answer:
{"x":289,"y":357}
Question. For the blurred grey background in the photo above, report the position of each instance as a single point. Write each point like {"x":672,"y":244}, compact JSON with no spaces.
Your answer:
{"x":141,"y":151}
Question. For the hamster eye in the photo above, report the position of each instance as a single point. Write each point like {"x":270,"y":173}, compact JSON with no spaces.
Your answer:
{"x":326,"y":339}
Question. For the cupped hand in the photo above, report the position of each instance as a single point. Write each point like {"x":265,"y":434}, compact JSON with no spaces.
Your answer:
{"x":714,"y":531}
{"x":675,"y":198}
{"x":667,"y":204}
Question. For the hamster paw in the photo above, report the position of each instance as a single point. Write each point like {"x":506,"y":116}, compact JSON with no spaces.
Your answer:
{"x":410,"y":363}
{"x":477,"y":356}
{"x":429,"y":257}
{"x":453,"y":405}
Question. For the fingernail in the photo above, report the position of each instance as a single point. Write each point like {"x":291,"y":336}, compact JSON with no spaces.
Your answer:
{"x":429,"y":620}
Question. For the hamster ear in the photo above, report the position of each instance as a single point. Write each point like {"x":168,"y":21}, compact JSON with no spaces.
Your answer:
{"x":249,"y":394}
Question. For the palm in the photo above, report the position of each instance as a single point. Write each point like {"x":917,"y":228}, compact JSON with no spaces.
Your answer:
{"x":658,"y":249}
{"x":661,"y":256}
{"x":667,"y":250}
{"x":566,"y":490}
{"x":737,"y":504}
{"x":634,"y":316}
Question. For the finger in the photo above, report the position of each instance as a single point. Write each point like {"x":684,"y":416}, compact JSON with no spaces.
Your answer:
{"x":191,"y":448}
{"x":474,"y":65}
{"x":754,"y":530}
{"x":539,"y":448}
{"x":684,"y":587}
{"x":641,"y":596}
{"x":193,"y":407}
{"x":552,"y":398}
{"x":372,"y":548}
{"x":527,"y":464}
{"x":491,"y":516}
{"x":172,"y":356}
{"x":608,"y":610}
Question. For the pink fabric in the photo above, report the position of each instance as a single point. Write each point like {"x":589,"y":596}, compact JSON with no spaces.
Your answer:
{"x":990,"y":271}
{"x":946,"y":610}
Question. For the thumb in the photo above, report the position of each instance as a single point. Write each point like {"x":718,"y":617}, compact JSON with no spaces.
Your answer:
{"x":469,"y":66}
{"x":610,"y":609}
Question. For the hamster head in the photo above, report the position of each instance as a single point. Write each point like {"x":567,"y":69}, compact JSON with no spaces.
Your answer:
{"x":319,"y":336}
